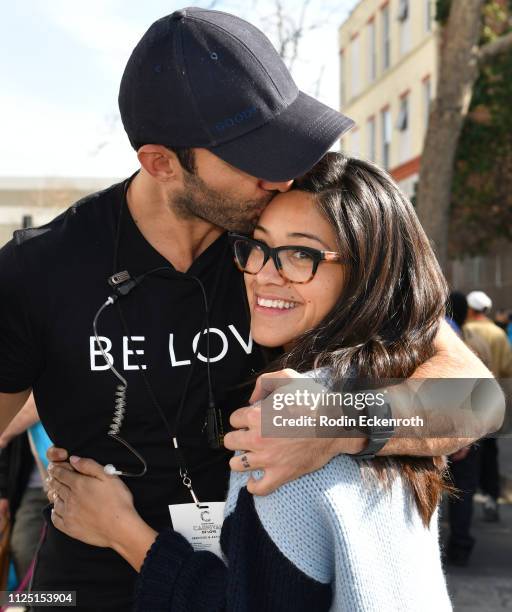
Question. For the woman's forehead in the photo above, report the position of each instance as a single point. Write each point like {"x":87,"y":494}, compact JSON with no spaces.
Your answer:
{"x":293,"y":212}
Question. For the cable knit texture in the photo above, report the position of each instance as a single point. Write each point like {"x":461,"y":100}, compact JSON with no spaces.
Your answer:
{"x":336,"y":539}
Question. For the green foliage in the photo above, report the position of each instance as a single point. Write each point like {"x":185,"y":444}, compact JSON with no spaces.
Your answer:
{"x":481,"y":208}
{"x":443,"y":10}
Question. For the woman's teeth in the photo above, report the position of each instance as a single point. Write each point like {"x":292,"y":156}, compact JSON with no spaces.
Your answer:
{"x":281,"y":304}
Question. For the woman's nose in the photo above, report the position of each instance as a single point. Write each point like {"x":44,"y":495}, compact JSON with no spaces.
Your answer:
{"x":269,"y":274}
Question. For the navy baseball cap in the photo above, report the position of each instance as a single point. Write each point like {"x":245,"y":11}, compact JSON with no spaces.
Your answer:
{"x":203,"y":78}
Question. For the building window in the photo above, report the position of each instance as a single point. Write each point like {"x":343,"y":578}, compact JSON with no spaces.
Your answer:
{"x":427,"y":98}
{"x":385,"y":117}
{"x":355,"y":143}
{"x":402,"y":125}
{"x":428,"y":15}
{"x":403,"y":10}
{"x":372,"y":139}
{"x":386,"y":37}
{"x":342,"y":79}
{"x":372,"y":52}
{"x":355,"y":67}
{"x":403,"y":114}
{"x":405,"y":26}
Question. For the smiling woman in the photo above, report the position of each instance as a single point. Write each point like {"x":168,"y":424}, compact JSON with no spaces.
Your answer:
{"x":377,"y":314}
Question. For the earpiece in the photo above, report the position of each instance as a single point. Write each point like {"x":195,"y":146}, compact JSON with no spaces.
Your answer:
{"x":111,"y":470}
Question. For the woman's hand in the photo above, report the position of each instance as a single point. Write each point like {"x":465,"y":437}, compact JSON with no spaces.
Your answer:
{"x":89,"y":505}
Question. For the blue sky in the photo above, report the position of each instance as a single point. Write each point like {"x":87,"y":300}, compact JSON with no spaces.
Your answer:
{"x":62,"y":60}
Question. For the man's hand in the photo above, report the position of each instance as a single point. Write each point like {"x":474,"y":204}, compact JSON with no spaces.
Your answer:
{"x":282,"y":459}
{"x":88,"y":502}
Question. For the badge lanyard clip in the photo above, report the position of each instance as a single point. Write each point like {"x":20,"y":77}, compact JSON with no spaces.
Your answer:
{"x":186,"y":480}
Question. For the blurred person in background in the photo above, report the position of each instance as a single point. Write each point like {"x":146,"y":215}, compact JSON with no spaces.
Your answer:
{"x":479,"y":323}
{"x":464,"y":465}
{"x":22,"y":494}
{"x":501,"y":319}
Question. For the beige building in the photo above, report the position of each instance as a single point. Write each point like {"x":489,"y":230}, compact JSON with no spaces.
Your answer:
{"x":388,"y":77}
{"x":35,"y":201}
{"x":388,"y":68}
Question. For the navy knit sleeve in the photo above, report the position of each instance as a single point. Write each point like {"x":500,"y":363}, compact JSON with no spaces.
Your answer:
{"x":174,"y":577}
{"x":257,"y":577}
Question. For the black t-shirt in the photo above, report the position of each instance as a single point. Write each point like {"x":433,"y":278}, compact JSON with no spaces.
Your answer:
{"x":52,"y":282}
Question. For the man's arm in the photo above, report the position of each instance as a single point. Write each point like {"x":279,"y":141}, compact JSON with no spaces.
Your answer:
{"x":284,"y":459}
{"x":4,"y":493}
{"x":449,"y":428}
{"x":453,"y":360}
{"x":25,"y":418}
{"x":10,"y":405}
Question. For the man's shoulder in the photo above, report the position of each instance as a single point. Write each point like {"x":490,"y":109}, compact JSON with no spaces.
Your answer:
{"x":487,"y":327}
{"x":499,"y":346}
{"x":480,"y":326}
{"x":96,"y":210}
{"x":478,"y":344}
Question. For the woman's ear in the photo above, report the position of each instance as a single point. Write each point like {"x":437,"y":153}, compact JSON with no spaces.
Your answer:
{"x":161,"y":163}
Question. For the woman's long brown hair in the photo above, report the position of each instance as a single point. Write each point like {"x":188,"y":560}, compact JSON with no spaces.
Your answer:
{"x":394,"y":296}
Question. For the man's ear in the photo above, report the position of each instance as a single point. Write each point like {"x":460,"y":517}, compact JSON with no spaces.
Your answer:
{"x":161,"y":163}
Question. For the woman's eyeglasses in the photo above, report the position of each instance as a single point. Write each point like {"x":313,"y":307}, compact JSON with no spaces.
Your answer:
{"x":297,"y":264}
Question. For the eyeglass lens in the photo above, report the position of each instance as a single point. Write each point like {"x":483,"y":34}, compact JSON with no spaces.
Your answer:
{"x":296,"y":265}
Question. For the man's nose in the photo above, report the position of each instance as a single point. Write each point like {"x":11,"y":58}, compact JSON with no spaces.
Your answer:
{"x":275,"y":186}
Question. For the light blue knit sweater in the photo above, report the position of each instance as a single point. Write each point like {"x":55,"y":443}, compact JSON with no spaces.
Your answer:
{"x":342,"y":526}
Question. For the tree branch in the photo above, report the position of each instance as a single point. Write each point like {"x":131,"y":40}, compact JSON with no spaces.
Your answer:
{"x":297,"y":34}
{"x":490,"y":50}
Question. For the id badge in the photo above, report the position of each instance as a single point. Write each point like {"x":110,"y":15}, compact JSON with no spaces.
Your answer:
{"x":200,"y":526}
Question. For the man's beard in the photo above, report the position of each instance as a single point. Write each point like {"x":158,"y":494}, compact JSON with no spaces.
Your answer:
{"x":199,"y":200}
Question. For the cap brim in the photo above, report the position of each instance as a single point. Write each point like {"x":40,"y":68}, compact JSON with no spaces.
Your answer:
{"x":290,"y":144}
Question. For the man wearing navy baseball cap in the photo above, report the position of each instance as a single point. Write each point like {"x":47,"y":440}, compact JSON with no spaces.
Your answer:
{"x":219,"y":127}
{"x":207,"y":79}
